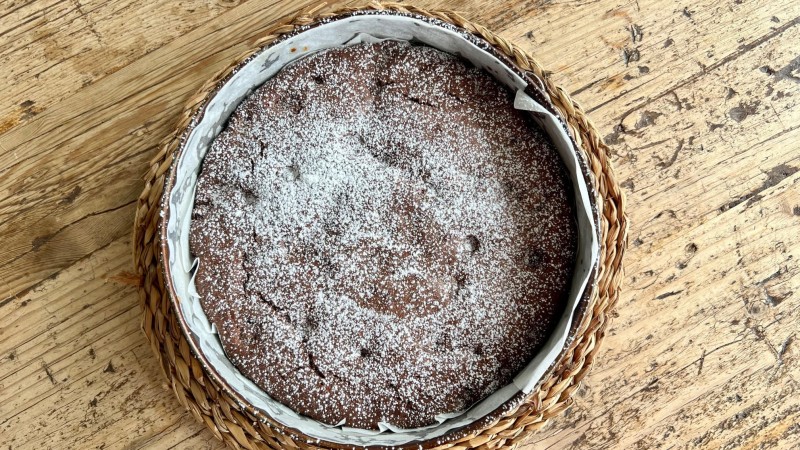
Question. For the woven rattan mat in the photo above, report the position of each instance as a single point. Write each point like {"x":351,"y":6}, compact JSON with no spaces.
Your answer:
{"x":231,"y":423}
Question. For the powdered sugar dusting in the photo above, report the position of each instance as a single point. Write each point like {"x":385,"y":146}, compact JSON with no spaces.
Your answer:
{"x":382,"y":247}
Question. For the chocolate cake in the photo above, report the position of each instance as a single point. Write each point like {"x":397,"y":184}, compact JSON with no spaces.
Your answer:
{"x":381,"y":236}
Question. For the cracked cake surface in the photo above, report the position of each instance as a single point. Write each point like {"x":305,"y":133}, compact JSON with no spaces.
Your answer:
{"x":381,"y":236}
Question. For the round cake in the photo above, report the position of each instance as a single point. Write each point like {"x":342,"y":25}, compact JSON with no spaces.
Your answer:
{"x":382,"y":237}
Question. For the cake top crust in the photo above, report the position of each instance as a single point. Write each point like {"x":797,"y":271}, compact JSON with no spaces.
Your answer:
{"x":381,"y":236}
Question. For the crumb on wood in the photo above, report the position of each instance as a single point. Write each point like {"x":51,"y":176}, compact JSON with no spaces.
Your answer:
{"x":775,"y":299}
{"x":49,"y":373}
{"x":767,"y":70}
{"x":630,"y":55}
{"x":636,"y":33}
{"x":741,"y":112}
{"x":613,"y":138}
{"x":628,"y":184}
{"x":667,"y":212}
{"x":785,"y":346}
{"x":668,"y":294}
{"x":647,"y":118}
{"x":701,"y":361}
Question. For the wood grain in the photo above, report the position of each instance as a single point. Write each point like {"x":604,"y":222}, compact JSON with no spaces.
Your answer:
{"x":699,"y":103}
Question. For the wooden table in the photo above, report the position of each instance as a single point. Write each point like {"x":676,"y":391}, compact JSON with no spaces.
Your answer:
{"x":699,"y":101}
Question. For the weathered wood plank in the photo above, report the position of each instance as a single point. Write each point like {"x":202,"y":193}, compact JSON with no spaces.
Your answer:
{"x":51,"y":49}
{"x":104,"y":135}
{"x":75,"y":371}
{"x":674,"y":353}
{"x":710,"y":227}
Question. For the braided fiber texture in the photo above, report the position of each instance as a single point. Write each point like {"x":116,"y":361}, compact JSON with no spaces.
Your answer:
{"x":240,"y":428}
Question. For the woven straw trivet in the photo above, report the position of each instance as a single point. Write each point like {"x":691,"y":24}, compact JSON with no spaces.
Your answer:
{"x":231,"y":423}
